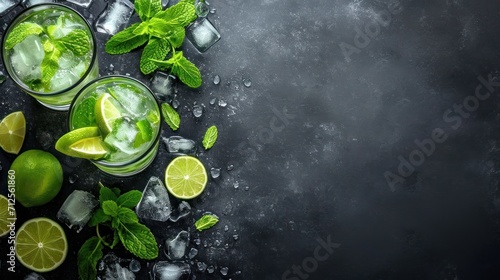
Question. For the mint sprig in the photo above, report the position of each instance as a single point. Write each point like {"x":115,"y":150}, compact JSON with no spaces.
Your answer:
{"x":115,"y":212}
{"x":162,"y":32}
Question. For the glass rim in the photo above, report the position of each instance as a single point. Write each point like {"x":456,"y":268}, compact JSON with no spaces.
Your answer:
{"x":152,"y":144}
{"x":15,"y":78}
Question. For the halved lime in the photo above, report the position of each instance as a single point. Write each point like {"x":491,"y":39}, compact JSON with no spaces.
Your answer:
{"x":6,"y":213}
{"x":185,"y":177}
{"x":90,"y":148}
{"x":106,"y":113}
{"x":12,"y":132}
{"x":41,"y":245}
{"x":70,"y":138}
{"x":145,"y":133}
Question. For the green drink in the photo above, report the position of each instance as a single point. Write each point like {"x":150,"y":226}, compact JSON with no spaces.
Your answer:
{"x":49,"y":51}
{"x":115,"y":122}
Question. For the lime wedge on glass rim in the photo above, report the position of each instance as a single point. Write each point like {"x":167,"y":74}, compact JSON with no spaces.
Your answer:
{"x":185,"y":177}
{"x":90,"y":148}
{"x":64,"y":143}
{"x":106,"y":113}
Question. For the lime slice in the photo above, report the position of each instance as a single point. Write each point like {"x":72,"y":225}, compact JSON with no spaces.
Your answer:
{"x":41,"y":245}
{"x":145,"y":133}
{"x":12,"y":132}
{"x":70,"y":138}
{"x":90,"y":148}
{"x":5,"y":215}
{"x":106,"y":113}
{"x":186,"y":177}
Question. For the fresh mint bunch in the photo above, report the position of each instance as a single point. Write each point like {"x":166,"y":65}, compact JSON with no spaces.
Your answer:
{"x":162,"y":32}
{"x":115,"y":212}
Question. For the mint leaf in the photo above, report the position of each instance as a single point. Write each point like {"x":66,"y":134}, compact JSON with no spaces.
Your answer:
{"x":155,"y":49}
{"x":110,"y":208}
{"x":139,"y":240}
{"x":98,"y":217}
{"x":106,"y":194}
{"x":116,"y":239}
{"x":125,"y":40}
{"x":210,"y":137}
{"x":20,"y":32}
{"x":129,"y":199}
{"x":77,"y":41}
{"x":146,"y":9}
{"x":181,"y":14}
{"x":50,"y":64}
{"x":176,"y":36}
{"x":187,"y":72}
{"x":88,"y":256}
{"x":116,"y":191}
{"x":127,"y":216}
{"x":170,"y":116}
{"x":206,"y":222}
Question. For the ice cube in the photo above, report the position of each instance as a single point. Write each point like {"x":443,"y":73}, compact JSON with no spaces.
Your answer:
{"x":63,"y":79}
{"x":162,"y":85}
{"x":77,"y":209}
{"x":180,"y":146}
{"x":155,"y":203}
{"x":29,"y":3}
{"x":202,"y":34}
{"x":122,"y":138}
{"x":192,"y":253}
{"x":110,"y":269}
{"x":130,"y":99}
{"x":175,"y":248}
{"x":201,"y":9}
{"x":7,"y":5}
{"x":164,"y":270}
{"x":83,"y":3}
{"x":114,"y":17}
{"x":31,"y":50}
{"x":34,"y":276}
{"x":215,"y":172}
{"x":183,"y":210}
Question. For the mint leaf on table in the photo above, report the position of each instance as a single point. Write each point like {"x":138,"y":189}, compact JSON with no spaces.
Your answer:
{"x":139,"y":240}
{"x":129,"y":199}
{"x":170,"y":116}
{"x":206,"y":222}
{"x":181,"y":14}
{"x":187,"y":72}
{"x":210,"y":137}
{"x":146,"y":9}
{"x":106,"y":194}
{"x":110,"y":208}
{"x":20,"y":32}
{"x":88,"y":256}
{"x":156,"y":49}
{"x":76,"y":41}
{"x":127,"y":216}
{"x":50,"y":65}
{"x":125,"y":40}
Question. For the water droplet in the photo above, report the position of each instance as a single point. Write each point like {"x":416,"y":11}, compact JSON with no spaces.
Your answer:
{"x":230,"y":167}
{"x":247,"y":82}
{"x":216,"y":80}
{"x":210,"y":269}
{"x":134,"y":265}
{"x":72,"y":178}
{"x":213,"y":10}
{"x":222,"y":103}
{"x":212,"y":101}
{"x":247,"y":188}
{"x":226,"y":228}
{"x":176,"y":104}
{"x":236,"y":185}
{"x":215,"y":172}
{"x":111,"y":67}
{"x":197,"y":111}
{"x":235,"y":237}
{"x":224,"y":271}
{"x":192,"y":253}
{"x":201,"y":266}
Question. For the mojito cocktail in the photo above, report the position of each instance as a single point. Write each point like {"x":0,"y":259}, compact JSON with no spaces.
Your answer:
{"x":115,"y":122}
{"x":49,"y":51}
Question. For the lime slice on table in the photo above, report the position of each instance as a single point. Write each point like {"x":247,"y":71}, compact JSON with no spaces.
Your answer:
{"x":106,"y":113}
{"x":90,"y":148}
{"x":64,"y":143}
{"x":5,"y":215}
{"x":185,"y":177}
{"x":12,"y":132}
{"x":41,"y":245}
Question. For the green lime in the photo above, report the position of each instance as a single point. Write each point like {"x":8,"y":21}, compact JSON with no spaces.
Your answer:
{"x":84,"y":113}
{"x":106,"y":113}
{"x":185,"y":177}
{"x":39,"y":177}
{"x":41,"y":245}
{"x":6,"y":214}
{"x":70,"y":138}
{"x":90,"y":148}
{"x":145,"y":133}
{"x":12,"y":132}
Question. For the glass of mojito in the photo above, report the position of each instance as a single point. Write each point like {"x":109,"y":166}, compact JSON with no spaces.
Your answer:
{"x":114,"y":121}
{"x":49,"y":51}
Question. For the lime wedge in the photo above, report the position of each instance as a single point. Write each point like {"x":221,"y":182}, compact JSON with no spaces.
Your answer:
{"x":41,"y":245}
{"x":145,"y":133}
{"x":106,"y":113}
{"x":12,"y":132}
{"x":6,"y":215}
{"x":90,"y":148}
{"x":70,"y":138}
{"x":185,"y":177}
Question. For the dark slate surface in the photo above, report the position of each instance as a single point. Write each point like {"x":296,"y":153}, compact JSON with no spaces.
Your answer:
{"x":330,"y":111}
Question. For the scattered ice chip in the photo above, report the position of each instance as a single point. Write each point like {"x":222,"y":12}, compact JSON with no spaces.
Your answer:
{"x":110,"y":269}
{"x":210,"y":269}
{"x":202,"y":34}
{"x":201,"y":266}
{"x":224,"y":271}
{"x":83,"y":3}
{"x":77,"y":209}
{"x":29,"y":3}
{"x":212,"y":101}
{"x":183,"y":210}
{"x":215,"y":172}
{"x":34,"y":276}
{"x":175,"y":248}
{"x":201,"y":9}
{"x":164,"y":270}
{"x":216,"y":80}
{"x":134,"y":265}
{"x":192,"y":253}
{"x":236,"y":185}
{"x":222,"y":103}
{"x":162,"y":85}
{"x":155,"y":203}
{"x":197,"y":111}
{"x":247,"y":82}
{"x":114,"y":17}
{"x":235,"y":237}
{"x":6,"y":5}
{"x":180,"y":146}
{"x":230,"y":167}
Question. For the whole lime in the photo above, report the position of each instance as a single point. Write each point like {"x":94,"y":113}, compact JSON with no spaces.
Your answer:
{"x":39,"y":177}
